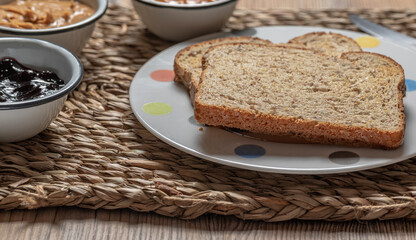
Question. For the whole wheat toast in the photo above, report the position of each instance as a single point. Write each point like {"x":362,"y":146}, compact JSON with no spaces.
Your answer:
{"x":188,"y":66}
{"x":355,"y":99}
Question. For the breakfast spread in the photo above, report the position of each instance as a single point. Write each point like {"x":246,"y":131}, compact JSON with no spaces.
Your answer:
{"x":41,"y":14}
{"x":323,"y":89}
{"x":18,"y":82}
{"x":186,"y":1}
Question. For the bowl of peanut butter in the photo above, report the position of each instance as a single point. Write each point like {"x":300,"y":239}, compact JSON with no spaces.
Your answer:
{"x":178,"y":20}
{"x":68,"y":23}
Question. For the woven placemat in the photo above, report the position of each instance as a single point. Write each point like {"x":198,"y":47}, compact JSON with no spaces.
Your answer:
{"x":97,"y":155}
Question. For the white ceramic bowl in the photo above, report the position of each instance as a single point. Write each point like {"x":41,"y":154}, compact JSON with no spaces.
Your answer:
{"x":178,"y":22}
{"x":24,"y":119}
{"x":72,"y":37}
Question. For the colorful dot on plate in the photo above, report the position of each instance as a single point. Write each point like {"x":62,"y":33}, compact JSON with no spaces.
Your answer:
{"x":163,"y":75}
{"x":249,"y":151}
{"x":344,"y":157}
{"x":410,"y":85}
{"x":157,"y":108}
{"x":367,"y":42}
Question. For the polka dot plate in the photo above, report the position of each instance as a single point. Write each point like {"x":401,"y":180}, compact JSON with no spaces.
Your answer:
{"x":164,"y":108}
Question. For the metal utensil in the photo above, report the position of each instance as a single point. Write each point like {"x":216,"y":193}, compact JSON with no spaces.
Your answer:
{"x":383,"y":32}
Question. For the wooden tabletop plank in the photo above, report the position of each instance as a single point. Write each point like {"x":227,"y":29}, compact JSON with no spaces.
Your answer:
{"x":75,"y":223}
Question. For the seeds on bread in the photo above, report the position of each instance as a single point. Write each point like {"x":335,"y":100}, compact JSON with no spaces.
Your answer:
{"x":354,"y":100}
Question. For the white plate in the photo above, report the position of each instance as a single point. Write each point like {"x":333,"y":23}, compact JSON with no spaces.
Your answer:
{"x":179,"y":129}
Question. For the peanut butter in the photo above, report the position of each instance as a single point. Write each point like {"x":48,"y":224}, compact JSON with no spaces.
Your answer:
{"x":41,"y":14}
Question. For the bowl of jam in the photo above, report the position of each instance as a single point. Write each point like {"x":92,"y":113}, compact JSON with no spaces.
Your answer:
{"x":68,"y":23}
{"x":35,"y":79}
{"x":178,"y":20}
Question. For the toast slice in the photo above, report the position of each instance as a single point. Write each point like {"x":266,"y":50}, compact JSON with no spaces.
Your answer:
{"x":354,"y":100}
{"x":331,"y":44}
{"x":188,"y":60}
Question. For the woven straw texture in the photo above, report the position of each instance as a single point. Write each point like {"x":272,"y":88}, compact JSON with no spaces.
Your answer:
{"x":97,"y":155}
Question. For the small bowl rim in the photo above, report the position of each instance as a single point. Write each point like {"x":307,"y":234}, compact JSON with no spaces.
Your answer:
{"x":68,"y":87}
{"x":185,"y":6}
{"x":102,"y":8}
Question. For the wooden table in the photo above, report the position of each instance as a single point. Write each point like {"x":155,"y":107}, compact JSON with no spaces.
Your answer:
{"x":75,"y":223}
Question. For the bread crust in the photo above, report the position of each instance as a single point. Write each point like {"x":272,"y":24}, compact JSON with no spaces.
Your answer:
{"x":305,"y":130}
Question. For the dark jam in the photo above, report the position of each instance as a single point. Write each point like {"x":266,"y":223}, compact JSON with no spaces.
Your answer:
{"x":19,"y":83}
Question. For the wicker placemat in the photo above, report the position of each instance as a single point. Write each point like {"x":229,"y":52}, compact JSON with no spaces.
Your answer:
{"x":97,"y":155}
